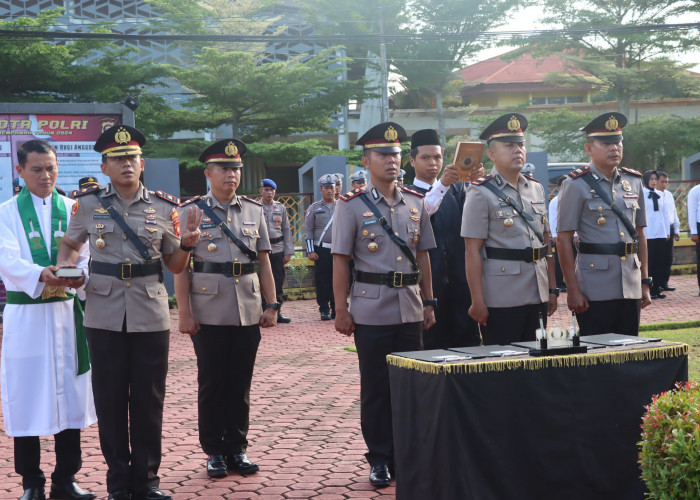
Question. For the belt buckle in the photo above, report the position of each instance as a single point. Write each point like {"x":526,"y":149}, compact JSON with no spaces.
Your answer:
{"x":536,"y":254}
{"x":126,"y":276}
{"x":629,"y":248}
{"x":240,"y":269}
{"x":397,"y":283}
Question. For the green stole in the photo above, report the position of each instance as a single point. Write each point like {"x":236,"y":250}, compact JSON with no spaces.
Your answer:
{"x":40,"y":256}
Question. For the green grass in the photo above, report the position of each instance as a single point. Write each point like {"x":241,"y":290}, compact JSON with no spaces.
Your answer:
{"x":690,"y":336}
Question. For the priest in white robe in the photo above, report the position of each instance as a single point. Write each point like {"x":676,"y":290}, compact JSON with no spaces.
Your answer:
{"x":44,"y":369}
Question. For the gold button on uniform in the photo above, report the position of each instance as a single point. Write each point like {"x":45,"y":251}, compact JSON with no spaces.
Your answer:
{"x":126,"y":260}
{"x":622,"y":235}
{"x":237,"y":282}
{"x":503,"y":269}
{"x":623,"y":258}
{"x":204,"y":289}
{"x":125,"y":238}
{"x":592,"y":266}
{"x":363,"y":292}
{"x":128,"y":285}
{"x":392,"y":210}
{"x":229,"y":219}
{"x":399,"y":259}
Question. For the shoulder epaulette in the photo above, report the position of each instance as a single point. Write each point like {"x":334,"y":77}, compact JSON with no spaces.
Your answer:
{"x":530,"y":177}
{"x":167,"y":197}
{"x":84,"y":191}
{"x":481,"y":180}
{"x":251,"y":200}
{"x":404,"y":188}
{"x":575,"y":174}
{"x":631,"y":172}
{"x":350,"y":194}
{"x":191,"y":200}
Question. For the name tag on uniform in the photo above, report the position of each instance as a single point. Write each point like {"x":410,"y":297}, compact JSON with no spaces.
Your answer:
{"x":370,"y":221}
{"x":319,"y":209}
{"x":207,"y":225}
{"x":539,"y":202}
{"x":249,"y":223}
{"x":101,"y":216}
{"x":630,"y":195}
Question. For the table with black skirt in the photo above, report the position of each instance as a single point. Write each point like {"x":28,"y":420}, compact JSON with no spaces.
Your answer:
{"x":521,"y":427}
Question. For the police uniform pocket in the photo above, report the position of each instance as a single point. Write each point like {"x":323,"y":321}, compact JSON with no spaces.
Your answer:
{"x":501,"y":268}
{"x":598,"y":205}
{"x":366,"y":290}
{"x":156,"y":289}
{"x":590,"y":262}
{"x":249,"y":235}
{"x":99,"y":284}
{"x":150,"y":233}
{"x":205,"y":284}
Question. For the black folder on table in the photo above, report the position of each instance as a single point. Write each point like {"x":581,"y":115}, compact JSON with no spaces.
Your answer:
{"x":434,"y":355}
{"x":535,"y":344}
{"x":615,"y":339}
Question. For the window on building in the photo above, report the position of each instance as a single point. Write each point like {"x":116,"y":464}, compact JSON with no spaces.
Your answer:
{"x":557,"y":100}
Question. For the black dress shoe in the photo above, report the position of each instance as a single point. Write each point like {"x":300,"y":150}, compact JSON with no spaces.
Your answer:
{"x":283,"y":319}
{"x":667,"y":288}
{"x":69,"y":491}
{"x":34,"y":494}
{"x":325,"y":317}
{"x":240,"y":463}
{"x":151,"y":494}
{"x":216,"y":466}
{"x":333,"y":314}
{"x":658,"y":296}
{"x":120,"y":495}
{"x":379,"y":476}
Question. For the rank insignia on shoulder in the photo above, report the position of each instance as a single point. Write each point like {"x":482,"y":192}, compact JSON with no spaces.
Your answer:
{"x":575,"y":174}
{"x":85,"y":191}
{"x":350,"y":194}
{"x":252,"y":200}
{"x":528,"y":176}
{"x":404,"y":188}
{"x":481,"y":180}
{"x":191,"y":200}
{"x":631,"y":171}
{"x":167,"y":197}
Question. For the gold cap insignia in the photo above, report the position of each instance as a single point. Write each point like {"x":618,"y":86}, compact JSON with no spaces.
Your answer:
{"x":231,"y":149}
{"x":513,"y":124}
{"x":122,"y":136}
{"x":611,"y":124}
{"x":391,"y":134}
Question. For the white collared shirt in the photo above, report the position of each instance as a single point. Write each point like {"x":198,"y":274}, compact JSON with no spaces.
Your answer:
{"x":657,"y":220}
{"x":434,"y":196}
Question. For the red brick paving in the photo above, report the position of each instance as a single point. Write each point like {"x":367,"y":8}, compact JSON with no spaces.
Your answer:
{"x":305,"y":428}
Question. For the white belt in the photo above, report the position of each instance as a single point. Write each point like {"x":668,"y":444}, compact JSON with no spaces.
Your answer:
{"x":322,"y":245}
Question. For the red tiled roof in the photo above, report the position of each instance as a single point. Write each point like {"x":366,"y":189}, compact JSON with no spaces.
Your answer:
{"x":522,"y":70}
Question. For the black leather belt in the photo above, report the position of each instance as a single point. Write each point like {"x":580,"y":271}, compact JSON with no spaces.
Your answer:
{"x":621,"y":248}
{"x":228,"y":269}
{"x":529,"y":254}
{"x":127,"y":271}
{"x":392,"y":279}
{"x":276,"y":240}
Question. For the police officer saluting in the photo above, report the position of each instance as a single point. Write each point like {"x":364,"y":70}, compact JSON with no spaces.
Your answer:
{"x":608,"y":283}
{"x":318,"y":229}
{"x":506,"y":235}
{"x":387,"y":231}
{"x":127,"y":322}
{"x":219,"y":302}
{"x":281,"y":243}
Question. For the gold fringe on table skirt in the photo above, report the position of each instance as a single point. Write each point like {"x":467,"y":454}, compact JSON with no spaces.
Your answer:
{"x":537,"y":363}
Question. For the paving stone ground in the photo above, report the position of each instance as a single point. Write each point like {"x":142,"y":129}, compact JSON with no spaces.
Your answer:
{"x":305,"y":421}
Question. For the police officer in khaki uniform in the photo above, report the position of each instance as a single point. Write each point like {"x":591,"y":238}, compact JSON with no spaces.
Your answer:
{"x":391,"y":298}
{"x":358,"y":179}
{"x":608,"y":283}
{"x":219,"y":302}
{"x":318,"y":229}
{"x":280,"y":238}
{"x":338,"y":185}
{"x":399,"y":179}
{"x":129,"y":230}
{"x":506,"y":235}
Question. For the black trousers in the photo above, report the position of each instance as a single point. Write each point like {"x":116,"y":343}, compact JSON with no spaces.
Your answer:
{"x":506,"y":325}
{"x":373,"y":343}
{"x":128,"y":384}
{"x":611,"y":316}
{"x":667,"y":258}
{"x":656,"y":249}
{"x":277,"y":264}
{"x":225,"y":362}
{"x":28,"y":459}
{"x":453,"y":325}
{"x":323,"y":274}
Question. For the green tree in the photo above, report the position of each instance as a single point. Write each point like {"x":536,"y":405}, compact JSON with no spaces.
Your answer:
{"x":629,"y":60}
{"x":262,"y":100}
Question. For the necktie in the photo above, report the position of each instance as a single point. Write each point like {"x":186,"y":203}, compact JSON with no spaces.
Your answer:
{"x":655,"y":198}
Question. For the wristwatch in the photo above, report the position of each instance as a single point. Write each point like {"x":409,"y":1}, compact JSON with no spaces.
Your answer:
{"x":274,"y":305}
{"x":431,"y":302}
{"x":647,"y":281}
{"x":187,"y":249}
{"x":554,"y":291}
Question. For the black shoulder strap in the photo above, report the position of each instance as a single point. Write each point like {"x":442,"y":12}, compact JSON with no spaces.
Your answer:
{"x":130,"y":234}
{"x":608,"y":199}
{"x":516,"y":206}
{"x":385,"y":224}
{"x":216,"y":220}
